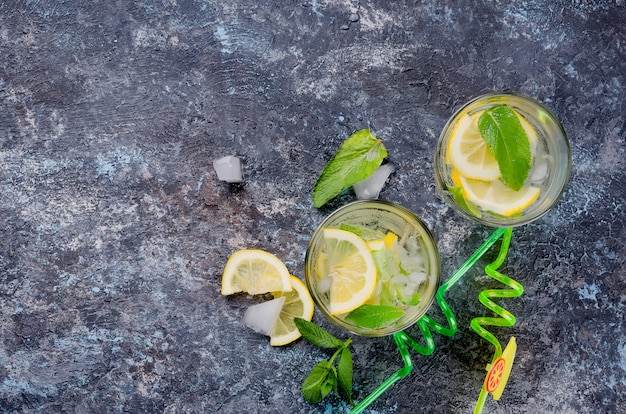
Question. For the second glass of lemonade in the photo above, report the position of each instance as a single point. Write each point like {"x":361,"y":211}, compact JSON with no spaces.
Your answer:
{"x":372,"y":267}
{"x":468,"y":176}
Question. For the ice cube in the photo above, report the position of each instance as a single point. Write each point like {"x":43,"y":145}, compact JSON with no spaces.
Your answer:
{"x":228,"y":169}
{"x":411,"y":262}
{"x":263,"y":317}
{"x":417,"y":278}
{"x":324,"y":285}
{"x":400,"y":280}
{"x":369,"y":189}
{"x":540,"y":171}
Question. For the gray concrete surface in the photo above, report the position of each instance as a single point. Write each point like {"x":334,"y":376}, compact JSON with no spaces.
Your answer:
{"x":115,"y":229}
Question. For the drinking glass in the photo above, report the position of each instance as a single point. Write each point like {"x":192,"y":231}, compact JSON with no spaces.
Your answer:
{"x":551,"y":163}
{"x":377,"y":218}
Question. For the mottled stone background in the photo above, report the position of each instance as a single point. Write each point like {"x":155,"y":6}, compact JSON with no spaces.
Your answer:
{"x":115,"y":229}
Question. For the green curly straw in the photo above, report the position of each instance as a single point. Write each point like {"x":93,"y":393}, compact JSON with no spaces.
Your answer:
{"x":505,"y":318}
{"x":404,"y":342}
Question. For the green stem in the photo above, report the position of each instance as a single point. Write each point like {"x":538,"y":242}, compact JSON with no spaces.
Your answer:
{"x":341,"y":348}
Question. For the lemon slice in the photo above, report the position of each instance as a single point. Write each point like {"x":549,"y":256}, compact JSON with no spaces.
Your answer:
{"x":254,"y":272}
{"x":385,"y":242}
{"x":375,"y":245}
{"x":390,"y":239}
{"x":469,"y":153}
{"x":351,"y":268}
{"x":298,"y":304}
{"x":494,"y":196}
{"x":530,"y":133}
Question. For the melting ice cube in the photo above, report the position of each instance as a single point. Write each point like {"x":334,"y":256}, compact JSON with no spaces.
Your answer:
{"x":228,"y":169}
{"x":540,"y":171}
{"x":369,"y":189}
{"x":324,"y":285}
{"x":263,"y":317}
{"x":417,"y":278}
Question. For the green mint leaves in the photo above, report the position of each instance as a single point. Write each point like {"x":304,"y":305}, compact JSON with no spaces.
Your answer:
{"x":502,"y":131}
{"x":374,"y":316}
{"x":365,"y":233}
{"x":324,"y":377}
{"x":316,"y":335}
{"x":320,"y":382}
{"x":355,"y":160}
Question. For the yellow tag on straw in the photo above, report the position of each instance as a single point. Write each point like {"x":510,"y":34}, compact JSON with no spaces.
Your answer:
{"x":500,"y":370}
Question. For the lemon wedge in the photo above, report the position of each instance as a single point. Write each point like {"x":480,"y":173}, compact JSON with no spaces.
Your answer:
{"x":298,"y":304}
{"x":350,"y":266}
{"x":390,"y":239}
{"x":494,"y":196}
{"x":255,"y":272}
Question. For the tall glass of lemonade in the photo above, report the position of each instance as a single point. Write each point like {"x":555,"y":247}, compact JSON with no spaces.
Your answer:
{"x":372,"y":267}
{"x":476,"y":153}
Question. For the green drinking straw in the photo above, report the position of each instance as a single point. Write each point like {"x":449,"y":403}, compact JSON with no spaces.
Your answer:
{"x":404,"y":342}
{"x":504,"y":317}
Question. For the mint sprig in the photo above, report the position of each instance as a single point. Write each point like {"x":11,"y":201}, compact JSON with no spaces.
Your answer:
{"x":503,"y":132}
{"x":355,"y":160}
{"x":320,"y":382}
{"x":325,"y":377}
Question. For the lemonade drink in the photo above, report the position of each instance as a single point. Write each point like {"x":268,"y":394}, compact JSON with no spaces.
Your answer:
{"x":373,"y":268}
{"x":470,"y":179}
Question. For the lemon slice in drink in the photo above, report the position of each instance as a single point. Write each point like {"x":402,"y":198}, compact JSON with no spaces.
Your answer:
{"x":255,"y":272}
{"x":494,"y":196}
{"x":386,"y":241}
{"x":351,"y":268}
{"x":469,"y":153}
{"x":298,"y":304}
{"x":375,"y":245}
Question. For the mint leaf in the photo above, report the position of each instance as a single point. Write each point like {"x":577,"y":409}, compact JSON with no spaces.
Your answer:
{"x":502,"y":131}
{"x":374,"y":316}
{"x":316,"y":335}
{"x":355,"y":160}
{"x":365,"y":233}
{"x":344,"y":373}
{"x":387,"y":262}
{"x":457,"y":194}
{"x":387,"y":297}
{"x":320,"y":382}
{"x":324,"y":377}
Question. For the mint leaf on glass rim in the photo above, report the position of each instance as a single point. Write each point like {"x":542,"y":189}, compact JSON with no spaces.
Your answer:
{"x":503,"y":132}
{"x":355,"y":160}
{"x":374,"y":316}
